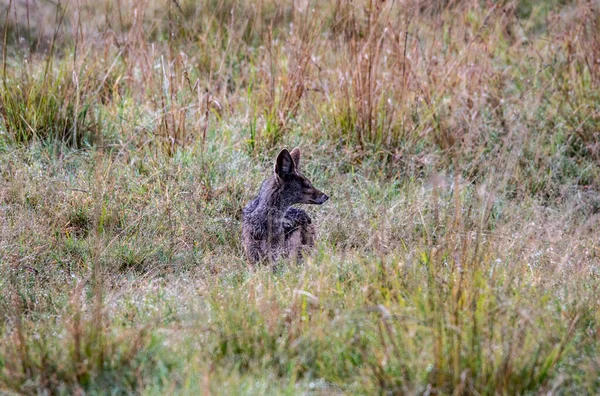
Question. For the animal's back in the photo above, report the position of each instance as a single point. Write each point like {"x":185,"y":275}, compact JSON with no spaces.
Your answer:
{"x":248,"y":209}
{"x":254,"y":231}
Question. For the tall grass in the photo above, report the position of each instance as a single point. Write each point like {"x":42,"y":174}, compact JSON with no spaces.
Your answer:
{"x":458,"y":141}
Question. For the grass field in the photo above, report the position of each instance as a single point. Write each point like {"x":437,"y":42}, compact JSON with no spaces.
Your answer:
{"x":459,"y":142}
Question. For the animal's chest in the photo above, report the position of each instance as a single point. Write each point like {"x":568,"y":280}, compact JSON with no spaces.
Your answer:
{"x":275,"y":231}
{"x":272,"y":240}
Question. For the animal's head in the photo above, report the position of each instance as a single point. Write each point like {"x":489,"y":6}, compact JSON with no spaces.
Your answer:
{"x":296,"y":187}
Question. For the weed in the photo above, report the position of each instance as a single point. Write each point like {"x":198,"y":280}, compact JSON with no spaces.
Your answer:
{"x":458,"y":252}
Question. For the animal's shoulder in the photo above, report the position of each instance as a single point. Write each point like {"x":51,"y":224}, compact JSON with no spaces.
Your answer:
{"x":250,"y":207}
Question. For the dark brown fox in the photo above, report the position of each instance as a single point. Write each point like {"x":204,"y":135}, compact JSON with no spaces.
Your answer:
{"x":271,"y":227}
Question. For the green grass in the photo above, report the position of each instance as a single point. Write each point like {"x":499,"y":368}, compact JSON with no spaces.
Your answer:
{"x":458,"y":253}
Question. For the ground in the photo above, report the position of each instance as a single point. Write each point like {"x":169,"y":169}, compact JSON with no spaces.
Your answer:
{"x":458,"y":141}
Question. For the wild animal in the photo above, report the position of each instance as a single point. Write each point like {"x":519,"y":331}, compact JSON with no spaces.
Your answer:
{"x":271,"y":227}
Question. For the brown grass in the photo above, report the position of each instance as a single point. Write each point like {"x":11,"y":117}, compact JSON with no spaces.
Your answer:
{"x":457,"y":140}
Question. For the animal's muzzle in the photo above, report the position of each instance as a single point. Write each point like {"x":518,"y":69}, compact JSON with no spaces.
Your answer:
{"x":321,"y":199}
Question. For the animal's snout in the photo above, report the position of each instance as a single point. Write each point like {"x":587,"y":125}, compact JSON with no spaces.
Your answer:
{"x":322,"y":198}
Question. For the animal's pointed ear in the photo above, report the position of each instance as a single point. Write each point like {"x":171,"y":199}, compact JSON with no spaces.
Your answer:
{"x":295,"y":153}
{"x":284,"y":165}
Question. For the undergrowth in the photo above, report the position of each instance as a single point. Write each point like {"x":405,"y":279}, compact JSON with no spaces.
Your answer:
{"x":458,"y":142}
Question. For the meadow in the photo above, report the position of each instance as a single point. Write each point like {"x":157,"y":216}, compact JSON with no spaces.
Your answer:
{"x":458,"y":140}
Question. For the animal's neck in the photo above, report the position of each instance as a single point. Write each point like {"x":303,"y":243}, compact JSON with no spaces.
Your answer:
{"x":273,"y":202}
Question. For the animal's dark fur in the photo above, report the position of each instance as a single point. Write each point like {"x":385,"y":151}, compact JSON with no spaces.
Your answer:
{"x":272,"y":228}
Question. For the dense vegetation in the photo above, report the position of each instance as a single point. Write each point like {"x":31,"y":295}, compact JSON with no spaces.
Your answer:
{"x":459,"y":252}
